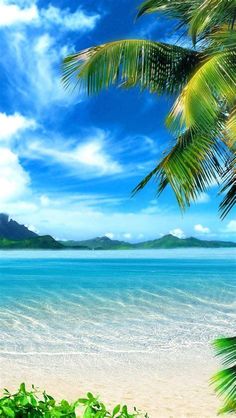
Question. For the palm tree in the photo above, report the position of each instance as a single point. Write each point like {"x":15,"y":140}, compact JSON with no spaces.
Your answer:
{"x":203,"y":117}
{"x":202,"y":81}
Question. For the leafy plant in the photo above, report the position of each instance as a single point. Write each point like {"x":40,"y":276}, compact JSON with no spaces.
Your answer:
{"x":33,"y":404}
{"x":225,"y":380}
{"x":202,"y":76}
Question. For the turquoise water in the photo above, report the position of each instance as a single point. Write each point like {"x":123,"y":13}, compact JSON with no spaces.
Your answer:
{"x":74,"y":303}
{"x":132,"y":326}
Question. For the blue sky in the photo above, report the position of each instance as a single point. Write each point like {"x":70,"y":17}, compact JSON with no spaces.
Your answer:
{"x":68,"y":163}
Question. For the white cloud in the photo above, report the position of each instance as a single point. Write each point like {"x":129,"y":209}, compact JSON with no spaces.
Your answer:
{"x":12,"y":14}
{"x":15,"y":15}
{"x":203,"y":198}
{"x":32,"y":228}
{"x":14,"y":181}
{"x":202,"y":229}
{"x":36,"y":53}
{"x":127,"y":235}
{"x":88,"y":158}
{"x":231,"y":226}
{"x":77,"y":21}
{"x":177,"y":232}
{"x":44,"y":200}
{"x":11,"y":125}
{"x":109,"y":235}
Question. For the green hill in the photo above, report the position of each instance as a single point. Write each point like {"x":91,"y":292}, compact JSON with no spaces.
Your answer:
{"x":45,"y":242}
{"x":168,"y":241}
{"x":99,"y":243}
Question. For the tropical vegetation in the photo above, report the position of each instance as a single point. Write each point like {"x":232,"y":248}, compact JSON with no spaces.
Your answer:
{"x":201,"y":78}
{"x":33,"y":404}
{"x":225,"y":380}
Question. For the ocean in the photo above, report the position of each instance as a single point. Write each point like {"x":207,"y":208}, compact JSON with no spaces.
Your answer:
{"x":79,"y":314}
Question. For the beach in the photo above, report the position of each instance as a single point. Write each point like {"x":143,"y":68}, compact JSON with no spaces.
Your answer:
{"x":133,"y":327}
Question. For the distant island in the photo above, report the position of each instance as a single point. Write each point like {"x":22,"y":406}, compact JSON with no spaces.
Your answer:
{"x":16,"y":236}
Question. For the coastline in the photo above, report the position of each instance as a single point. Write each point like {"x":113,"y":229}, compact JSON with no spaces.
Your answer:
{"x":171,"y":386}
{"x":133,"y":327}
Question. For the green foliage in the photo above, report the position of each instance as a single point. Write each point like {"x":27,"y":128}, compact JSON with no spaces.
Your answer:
{"x":33,"y":404}
{"x":225,"y":380}
{"x":44,"y":242}
{"x":157,"y":67}
{"x":202,"y":118}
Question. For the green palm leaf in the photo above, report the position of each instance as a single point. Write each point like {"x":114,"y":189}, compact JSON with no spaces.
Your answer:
{"x":225,"y":380}
{"x":229,"y":187}
{"x":220,"y":39}
{"x":176,"y":9}
{"x":155,"y":66}
{"x":231,"y":130}
{"x":210,"y":14}
{"x":210,"y":89}
{"x":189,"y":168}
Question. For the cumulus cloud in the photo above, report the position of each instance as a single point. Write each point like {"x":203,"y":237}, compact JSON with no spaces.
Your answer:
{"x":77,"y":21}
{"x":231,"y":226}
{"x":14,"y":180}
{"x":177,"y":232}
{"x":14,"y":14}
{"x":109,"y":235}
{"x":127,"y":235}
{"x":11,"y":125}
{"x":201,"y":229}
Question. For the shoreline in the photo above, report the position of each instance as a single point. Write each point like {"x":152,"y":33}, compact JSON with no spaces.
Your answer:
{"x":172,"y":384}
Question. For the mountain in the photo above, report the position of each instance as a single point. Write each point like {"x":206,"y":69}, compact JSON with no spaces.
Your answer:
{"x":168,"y":241}
{"x":16,"y":236}
{"x":45,"y":242}
{"x":10,"y":229}
{"x":99,"y":243}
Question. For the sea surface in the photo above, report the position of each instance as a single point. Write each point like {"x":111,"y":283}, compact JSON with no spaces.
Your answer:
{"x":72,"y":311}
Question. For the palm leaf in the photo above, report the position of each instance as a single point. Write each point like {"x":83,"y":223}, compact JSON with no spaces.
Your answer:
{"x":220,"y":38}
{"x":211,"y":13}
{"x":175,"y":9}
{"x":225,"y":380}
{"x":211,"y":87}
{"x":229,"y":187}
{"x":189,"y":168}
{"x":231,"y":130}
{"x":158,"y":67}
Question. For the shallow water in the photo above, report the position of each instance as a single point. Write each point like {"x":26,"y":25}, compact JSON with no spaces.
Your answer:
{"x":137,"y":309}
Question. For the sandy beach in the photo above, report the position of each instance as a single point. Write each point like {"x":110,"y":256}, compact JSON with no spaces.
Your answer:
{"x":173,"y":385}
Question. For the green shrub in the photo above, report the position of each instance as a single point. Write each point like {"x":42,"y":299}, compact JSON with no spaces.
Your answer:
{"x":33,"y":404}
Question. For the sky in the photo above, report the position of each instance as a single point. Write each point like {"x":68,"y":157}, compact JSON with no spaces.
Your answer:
{"x":68,"y":162}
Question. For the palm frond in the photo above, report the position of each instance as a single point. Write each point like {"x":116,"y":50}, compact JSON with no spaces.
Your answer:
{"x":175,"y":9}
{"x":229,"y":187}
{"x":211,"y":13}
{"x":231,"y":130}
{"x":210,"y":89}
{"x":221,"y":38}
{"x":158,"y":67}
{"x":189,"y":168}
{"x":225,"y":380}
{"x":226,"y":347}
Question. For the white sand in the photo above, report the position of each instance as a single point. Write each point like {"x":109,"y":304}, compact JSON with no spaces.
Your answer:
{"x":172,"y":385}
